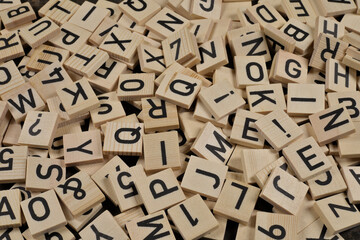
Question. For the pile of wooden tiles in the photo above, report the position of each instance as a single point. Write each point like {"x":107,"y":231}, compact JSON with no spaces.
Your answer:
{"x":185,"y":115}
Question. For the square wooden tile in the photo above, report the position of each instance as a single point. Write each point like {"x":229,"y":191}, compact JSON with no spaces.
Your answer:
{"x":331,"y":124}
{"x":159,"y":191}
{"x":151,"y":59}
{"x":273,"y":225}
{"x":44,"y":173}
{"x":339,"y":77}
{"x":45,"y":55}
{"x":250,"y":70}
{"x":221,"y":99}
{"x":102,"y":30}
{"x":351,"y":176}
{"x":212,"y":144}
{"x":142,"y":12}
{"x":11,"y":233}
{"x":86,"y":60}
{"x":135,"y":86}
{"x":351,"y":100}
{"x":79,"y":193}
{"x":78,"y":222}
{"x":337,"y":213}
{"x":82,"y":148}
{"x":305,"y":13}
{"x":10,"y":209}
{"x":193,"y":218}
{"x":62,"y":232}
{"x":109,"y":110}
{"x":124,"y":138}
{"x":278,"y":129}
{"x":12,"y":47}
{"x":11,"y":77}
{"x":78,"y":98}
{"x":39,"y":129}
{"x":204,"y":177}
{"x":43,"y":213}
{"x":55,"y":11}
{"x":284,"y":191}
{"x":11,"y":17}
{"x":256,"y":13}
{"x":237,"y":201}
{"x":13,"y":164}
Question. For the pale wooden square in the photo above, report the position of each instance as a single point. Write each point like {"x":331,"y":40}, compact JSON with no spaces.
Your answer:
{"x":283,"y":223}
{"x":278,"y":129}
{"x":151,"y":59}
{"x":13,"y":47}
{"x":254,"y":13}
{"x":193,"y":218}
{"x":80,"y":221}
{"x":206,"y":144}
{"x":45,"y":55}
{"x":40,"y":176}
{"x":237,"y":201}
{"x":82,"y":148}
{"x":204,"y":177}
{"x":11,"y":75}
{"x":351,"y":176}
{"x":124,"y":138}
{"x":351,"y":100}
{"x":142,"y":12}
{"x":62,"y":232}
{"x":39,"y":129}
{"x":12,"y":233}
{"x":109,"y":110}
{"x":337,"y":213}
{"x":40,"y":222}
{"x":135,"y":86}
{"x":339,"y":77}
{"x":11,"y":17}
{"x":57,"y":14}
{"x":331,"y":124}
{"x":85,"y":196}
{"x":278,"y":40}
{"x":250,"y":70}
{"x":10,"y":206}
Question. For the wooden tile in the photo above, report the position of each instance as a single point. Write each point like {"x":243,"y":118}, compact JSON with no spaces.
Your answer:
{"x":337,"y":213}
{"x":203,"y":115}
{"x":339,"y":77}
{"x":89,"y":16}
{"x":221,"y":100}
{"x":278,"y":129}
{"x":45,"y":55}
{"x":48,"y":80}
{"x":166,"y":22}
{"x":129,"y":24}
{"x":71,"y":101}
{"x":82,"y":148}
{"x":121,"y":44}
{"x":151,"y":59}
{"x":264,"y":13}
{"x":80,"y":221}
{"x":347,"y":145}
{"x":8,"y":4}
{"x":39,"y":129}
{"x":250,"y":70}
{"x":254,"y":160}
{"x":41,"y":34}
{"x":317,"y":230}
{"x":277,"y":39}
{"x":213,"y":55}
{"x":124,"y":138}
{"x":166,"y":194}
{"x":335,"y":8}
{"x":124,"y":189}
{"x":329,"y":26}
{"x":305,"y":99}
{"x":300,"y":32}
{"x":106,"y":77}
{"x":180,"y":47}
{"x":252,"y":44}
{"x":204,"y":177}
{"x":162,"y":146}
{"x":326,"y":47}
{"x":71,"y":37}
{"x":190,"y":125}
{"x":47,"y":215}
{"x":236,"y":201}
{"x":11,"y":48}
{"x":192,"y":218}
{"x":108,"y":111}
{"x":114,"y":9}
{"x":159,"y":115}
{"x":288,"y":68}
{"x":212,"y":144}
{"x":10,"y":209}
{"x":25,"y":73}
{"x":144,"y":227}
{"x":201,"y":28}
{"x":200,"y":10}
{"x":349,"y":59}
{"x":332,"y":124}
{"x":142,"y":12}
{"x":135,"y":86}
{"x":265,"y":98}
{"x":179,"y":89}
{"x":79,"y":193}
{"x":59,"y":12}
{"x":306,"y":158}
{"x":44,"y":173}
{"x":328,"y":183}
{"x":12,"y":134}
{"x":129,"y":215}
{"x":104,"y":226}
{"x":302,"y":12}
{"x":102,"y":176}
{"x":79,"y":62}
{"x":17,"y":15}
{"x":104,"y":28}
{"x":247,"y":231}
{"x":61,"y":232}
{"x":11,"y":233}
{"x":351,"y":176}
{"x":132,"y":118}
{"x":273,"y":225}
{"x":11,"y":75}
